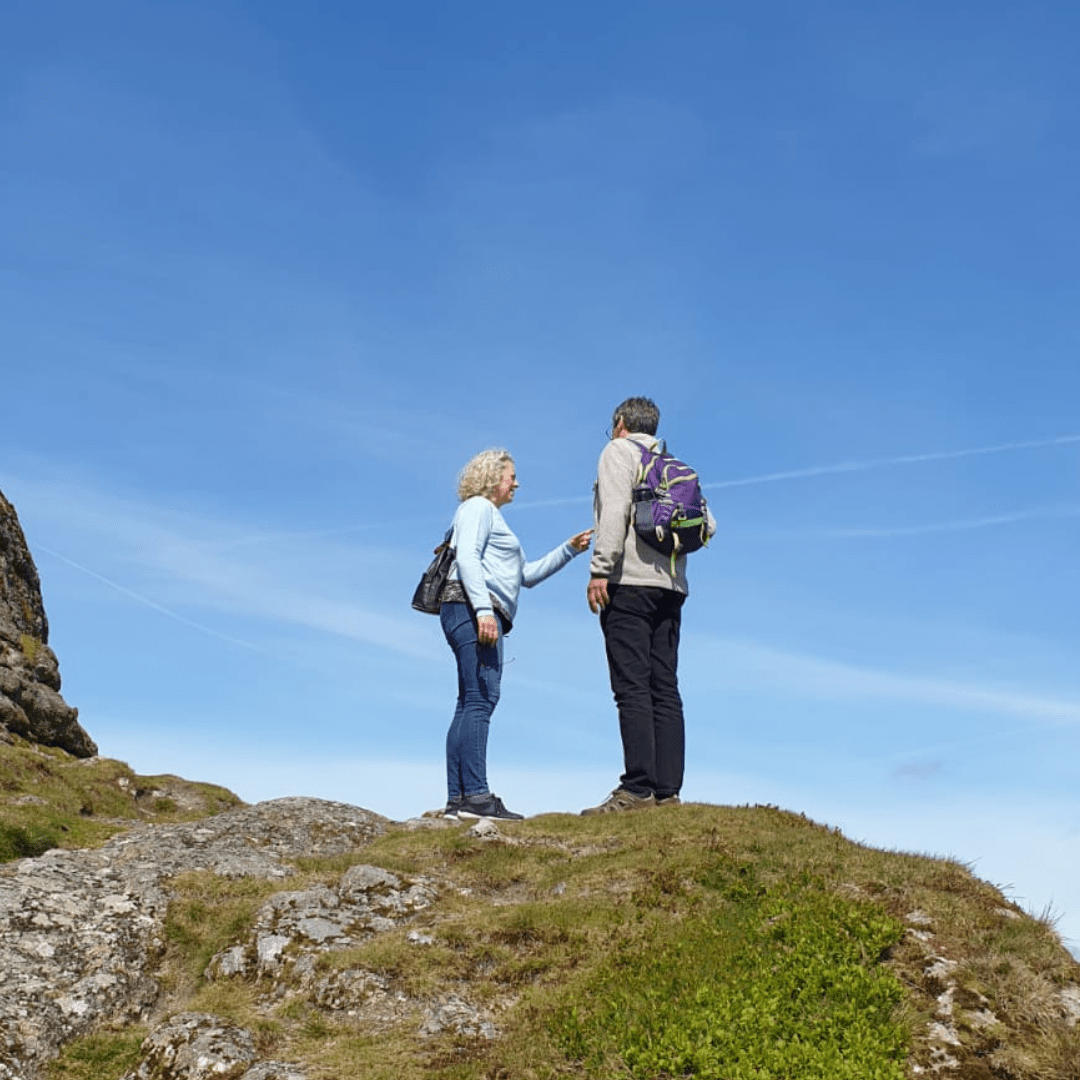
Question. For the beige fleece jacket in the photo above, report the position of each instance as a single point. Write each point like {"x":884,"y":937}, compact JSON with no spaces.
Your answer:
{"x":618,"y":554}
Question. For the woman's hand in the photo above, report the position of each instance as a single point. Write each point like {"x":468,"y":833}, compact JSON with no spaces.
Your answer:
{"x":581,"y":541}
{"x":487,"y":629}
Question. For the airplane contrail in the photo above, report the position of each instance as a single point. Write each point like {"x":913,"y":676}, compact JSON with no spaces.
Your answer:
{"x":146,"y":600}
{"x":845,"y":467}
{"x":902,"y":459}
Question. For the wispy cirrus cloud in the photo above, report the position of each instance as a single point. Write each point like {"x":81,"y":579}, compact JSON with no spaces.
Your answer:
{"x":959,"y":525}
{"x":804,"y":674}
{"x":191,"y":568}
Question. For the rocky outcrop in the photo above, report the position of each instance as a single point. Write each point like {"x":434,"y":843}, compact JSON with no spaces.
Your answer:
{"x":194,"y":1045}
{"x":80,"y":931}
{"x":30,"y":701}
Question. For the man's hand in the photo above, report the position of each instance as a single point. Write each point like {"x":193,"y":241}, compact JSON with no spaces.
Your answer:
{"x":487,"y":629}
{"x":597,"y":594}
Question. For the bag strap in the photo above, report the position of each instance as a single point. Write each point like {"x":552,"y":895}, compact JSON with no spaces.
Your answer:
{"x":658,"y":448}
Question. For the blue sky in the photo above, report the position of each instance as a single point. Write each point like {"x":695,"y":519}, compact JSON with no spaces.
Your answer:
{"x":271,"y":272}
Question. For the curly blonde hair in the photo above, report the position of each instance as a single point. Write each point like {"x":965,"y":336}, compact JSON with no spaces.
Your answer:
{"x":482,"y":473}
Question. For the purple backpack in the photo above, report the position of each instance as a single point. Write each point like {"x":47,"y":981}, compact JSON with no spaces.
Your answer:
{"x":669,"y":509}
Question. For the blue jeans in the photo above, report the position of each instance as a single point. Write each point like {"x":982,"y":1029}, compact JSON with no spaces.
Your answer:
{"x":479,"y":675}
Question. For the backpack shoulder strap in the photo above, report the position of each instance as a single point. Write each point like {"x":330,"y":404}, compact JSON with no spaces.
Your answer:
{"x":646,"y":455}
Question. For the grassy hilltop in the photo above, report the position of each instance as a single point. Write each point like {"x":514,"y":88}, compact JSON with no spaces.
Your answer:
{"x":49,"y":799}
{"x":722,"y":943}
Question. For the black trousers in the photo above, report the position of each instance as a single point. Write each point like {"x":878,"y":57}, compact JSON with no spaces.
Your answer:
{"x":641,"y":635}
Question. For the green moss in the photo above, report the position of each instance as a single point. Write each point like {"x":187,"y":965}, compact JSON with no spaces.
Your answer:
{"x":31,"y":647}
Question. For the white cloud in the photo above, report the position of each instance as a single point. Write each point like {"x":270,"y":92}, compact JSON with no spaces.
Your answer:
{"x":961,"y":525}
{"x":178,"y":562}
{"x":734,"y":663}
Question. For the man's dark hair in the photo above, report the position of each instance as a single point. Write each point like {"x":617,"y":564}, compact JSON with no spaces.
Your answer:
{"x":639,"y":414}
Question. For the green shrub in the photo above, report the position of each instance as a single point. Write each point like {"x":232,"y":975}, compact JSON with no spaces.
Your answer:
{"x":786,"y":987}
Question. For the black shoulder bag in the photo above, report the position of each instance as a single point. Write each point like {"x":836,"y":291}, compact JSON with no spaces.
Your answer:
{"x":428,"y":595}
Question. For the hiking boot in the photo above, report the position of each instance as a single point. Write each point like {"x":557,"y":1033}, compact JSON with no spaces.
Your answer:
{"x":621,"y":799}
{"x":668,"y":800}
{"x":475,"y":807}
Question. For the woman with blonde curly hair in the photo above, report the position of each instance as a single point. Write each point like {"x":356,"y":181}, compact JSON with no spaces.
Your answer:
{"x":478,"y":608}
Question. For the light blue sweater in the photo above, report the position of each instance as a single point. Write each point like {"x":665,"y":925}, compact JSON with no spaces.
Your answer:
{"x":490,"y":559}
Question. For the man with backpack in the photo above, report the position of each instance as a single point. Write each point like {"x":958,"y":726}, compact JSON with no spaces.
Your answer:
{"x":649,"y":514}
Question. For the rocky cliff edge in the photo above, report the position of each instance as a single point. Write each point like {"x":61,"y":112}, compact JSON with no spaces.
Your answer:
{"x":30,"y":701}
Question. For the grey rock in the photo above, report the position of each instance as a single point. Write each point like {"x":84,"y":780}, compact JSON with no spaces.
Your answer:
{"x":274,"y":1070}
{"x":268,"y":950}
{"x":294,"y":926}
{"x":1070,"y":1004}
{"x":456,"y":1014}
{"x":30,"y":701}
{"x":319,"y":930}
{"x":346,"y":991}
{"x":232,"y":961}
{"x":362,"y":879}
{"x":197,"y":1046}
{"x":80,"y":931}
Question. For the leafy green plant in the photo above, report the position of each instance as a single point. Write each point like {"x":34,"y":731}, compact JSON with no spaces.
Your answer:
{"x":787,"y":985}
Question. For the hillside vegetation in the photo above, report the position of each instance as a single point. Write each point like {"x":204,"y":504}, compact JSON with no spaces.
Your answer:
{"x":49,"y":799}
{"x":721,"y":943}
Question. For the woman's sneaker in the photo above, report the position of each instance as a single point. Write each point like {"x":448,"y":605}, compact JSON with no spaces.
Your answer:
{"x":453,"y":805}
{"x":475,"y":807}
